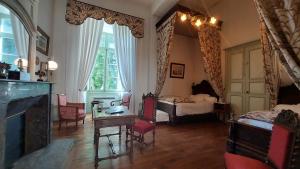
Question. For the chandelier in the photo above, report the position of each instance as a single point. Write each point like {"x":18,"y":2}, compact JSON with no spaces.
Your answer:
{"x":199,"y":20}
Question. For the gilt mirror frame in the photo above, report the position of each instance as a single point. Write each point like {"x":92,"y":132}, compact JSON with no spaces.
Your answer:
{"x":16,"y":7}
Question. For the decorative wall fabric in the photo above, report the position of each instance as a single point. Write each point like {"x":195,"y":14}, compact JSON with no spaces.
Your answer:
{"x":126,"y":55}
{"x":77,"y":12}
{"x":21,"y":37}
{"x":271,"y":68}
{"x":82,"y":45}
{"x":210,"y":45}
{"x":165,"y":34}
{"x":282,"y":20}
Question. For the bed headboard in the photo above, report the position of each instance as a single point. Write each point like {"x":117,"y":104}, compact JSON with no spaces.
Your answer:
{"x":204,"y":88}
{"x":288,"y":95}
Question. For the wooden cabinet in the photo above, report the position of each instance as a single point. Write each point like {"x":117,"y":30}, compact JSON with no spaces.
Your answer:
{"x":245,"y":82}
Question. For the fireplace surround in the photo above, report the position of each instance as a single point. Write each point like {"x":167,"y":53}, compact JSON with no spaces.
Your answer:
{"x":25,"y":123}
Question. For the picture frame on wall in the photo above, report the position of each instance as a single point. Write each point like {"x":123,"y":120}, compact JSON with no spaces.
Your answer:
{"x":177,"y":70}
{"x":42,"y":41}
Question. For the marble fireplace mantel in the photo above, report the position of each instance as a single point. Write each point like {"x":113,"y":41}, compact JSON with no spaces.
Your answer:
{"x":14,"y":93}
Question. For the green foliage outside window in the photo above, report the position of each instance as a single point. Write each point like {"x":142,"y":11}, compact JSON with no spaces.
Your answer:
{"x":105,"y":75}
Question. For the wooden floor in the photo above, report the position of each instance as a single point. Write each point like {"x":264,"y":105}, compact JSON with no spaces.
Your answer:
{"x":187,"y":146}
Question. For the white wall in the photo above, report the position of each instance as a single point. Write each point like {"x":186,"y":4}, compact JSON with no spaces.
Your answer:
{"x":144,"y":45}
{"x":45,"y":22}
{"x":186,"y":51}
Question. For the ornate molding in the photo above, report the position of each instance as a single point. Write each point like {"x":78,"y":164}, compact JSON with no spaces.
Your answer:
{"x":77,"y":12}
{"x":287,"y":118}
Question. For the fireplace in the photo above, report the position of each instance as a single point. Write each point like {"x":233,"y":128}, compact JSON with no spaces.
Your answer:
{"x":24,"y":119}
{"x":15,"y":139}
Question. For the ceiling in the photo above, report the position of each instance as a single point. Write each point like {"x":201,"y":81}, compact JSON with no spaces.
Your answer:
{"x":202,"y":6}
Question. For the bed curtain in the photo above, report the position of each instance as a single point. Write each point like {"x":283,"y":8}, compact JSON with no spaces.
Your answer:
{"x":210,"y":45}
{"x":165,"y":34}
{"x":280,"y":21}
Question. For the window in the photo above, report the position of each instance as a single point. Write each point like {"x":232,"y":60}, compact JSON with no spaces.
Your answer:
{"x":8,"y":51}
{"x":105,"y":76}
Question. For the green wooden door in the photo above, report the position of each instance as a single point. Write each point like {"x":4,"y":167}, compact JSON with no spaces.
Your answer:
{"x":245,"y":86}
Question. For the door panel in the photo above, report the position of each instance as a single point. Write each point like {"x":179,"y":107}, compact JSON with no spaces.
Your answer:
{"x":236,"y":66}
{"x":256,"y":64}
{"x":237,"y":87}
{"x":257,"y":88}
{"x":236,"y":104}
{"x":256,"y":103}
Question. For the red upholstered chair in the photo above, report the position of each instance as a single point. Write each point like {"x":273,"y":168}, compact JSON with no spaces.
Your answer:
{"x":146,"y":121}
{"x":70,"y":112}
{"x":280,"y":151}
{"x":125,"y":100}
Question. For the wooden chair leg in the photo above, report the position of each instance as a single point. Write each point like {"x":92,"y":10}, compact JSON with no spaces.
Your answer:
{"x":59,"y":126}
{"x":76,"y":124}
{"x":120,"y":132}
{"x":153,"y":137}
{"x":83,"y":121}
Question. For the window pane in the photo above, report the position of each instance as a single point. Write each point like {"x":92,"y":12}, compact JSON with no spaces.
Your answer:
{"x":97,"y":79}
{"x":6,"y":25}
{"x":9,"y":59}
{"x":112,"y":83}
{"x":8,"y":46}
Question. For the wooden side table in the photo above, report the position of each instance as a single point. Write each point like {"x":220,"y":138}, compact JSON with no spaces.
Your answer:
{"x":222,"y":108}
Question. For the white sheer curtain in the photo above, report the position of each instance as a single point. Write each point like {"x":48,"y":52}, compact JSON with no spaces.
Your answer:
{"x":125,"y":44}
{"x":82,"y":45}
{"x":21,"y":37}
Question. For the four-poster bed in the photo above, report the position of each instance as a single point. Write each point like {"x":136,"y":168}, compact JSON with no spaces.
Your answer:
{"x":187,"y":110}
{"x":209,"y":46}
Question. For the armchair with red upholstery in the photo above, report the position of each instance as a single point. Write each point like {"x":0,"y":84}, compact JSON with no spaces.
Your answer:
{"x":147,"y":120}
{"x":70,"y":112}
{"x":125,"y":101}
{"x":281,"y":150}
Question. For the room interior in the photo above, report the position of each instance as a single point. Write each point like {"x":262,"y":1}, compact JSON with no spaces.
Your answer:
{"x":149,"y":84}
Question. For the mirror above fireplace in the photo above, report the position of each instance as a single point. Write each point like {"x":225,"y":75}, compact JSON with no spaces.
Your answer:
{"x":17,"y":34}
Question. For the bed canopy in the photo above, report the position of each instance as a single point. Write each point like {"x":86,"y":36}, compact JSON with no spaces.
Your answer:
{"x":210,"y":45}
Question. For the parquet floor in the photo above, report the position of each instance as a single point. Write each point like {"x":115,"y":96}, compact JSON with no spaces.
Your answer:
{"x":187,"y":146}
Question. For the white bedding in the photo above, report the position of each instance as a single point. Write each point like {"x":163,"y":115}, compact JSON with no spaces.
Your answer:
{"x":256,"y":123}
{"x":183,"y":109}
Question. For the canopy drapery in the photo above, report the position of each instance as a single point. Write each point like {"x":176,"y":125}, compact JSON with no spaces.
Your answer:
{"x":77,"y":12}
{"x":281,"y":22}
{"x":165,"y":34}
{"x":211,"y":54}
{"x":210,"y":45}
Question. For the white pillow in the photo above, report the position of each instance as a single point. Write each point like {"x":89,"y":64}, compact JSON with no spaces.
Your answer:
{"x":295,"y":108}
{"x":211,"y":99}
{"x":199,"y":97}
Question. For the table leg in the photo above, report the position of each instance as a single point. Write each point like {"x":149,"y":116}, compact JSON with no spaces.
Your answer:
{"x":92,"y":109}
{"x":131,"y":144}
{"x":97,"y":137}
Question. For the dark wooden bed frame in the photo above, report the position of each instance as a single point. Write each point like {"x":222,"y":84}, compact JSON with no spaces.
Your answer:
{"x":202,"y":88}
{"x":253,"y":141}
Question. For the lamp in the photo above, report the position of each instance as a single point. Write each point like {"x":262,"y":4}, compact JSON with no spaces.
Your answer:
{"x":52,"y":65}
{"x":21,"y":63}
{"x":199,"y":20}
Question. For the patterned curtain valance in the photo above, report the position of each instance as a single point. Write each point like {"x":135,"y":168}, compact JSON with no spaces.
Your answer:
{"x":77,"y":12}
